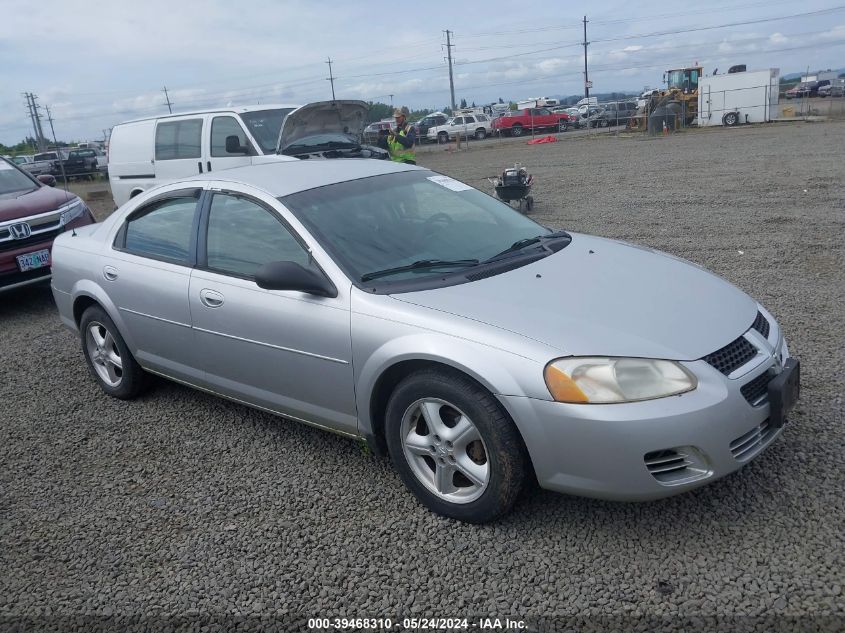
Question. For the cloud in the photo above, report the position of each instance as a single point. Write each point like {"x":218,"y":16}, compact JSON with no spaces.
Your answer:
{"x":778,"y":38}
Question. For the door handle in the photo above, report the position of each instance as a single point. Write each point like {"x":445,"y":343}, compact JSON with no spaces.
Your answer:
{"x":211,"y":298}
{"x":110,"y":273}
{"x":208,"y":164}
{"x":199,"y":165}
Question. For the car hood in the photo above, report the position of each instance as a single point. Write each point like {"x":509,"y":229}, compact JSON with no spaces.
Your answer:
{"x":601,"y":297}
{"x":343,"y":116}
{"x":19,"y":204}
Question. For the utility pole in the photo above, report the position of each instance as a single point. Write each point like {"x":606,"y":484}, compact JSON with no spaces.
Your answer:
{"x":32,"y":118}
{"x":330,"y":78}
{"x":391,"y":100}
{"x":586,"y":77}
{"x":167,"y":98}
{"x":56,"y":143}
{"x":451,"y":76}
{"x":42,"y":140}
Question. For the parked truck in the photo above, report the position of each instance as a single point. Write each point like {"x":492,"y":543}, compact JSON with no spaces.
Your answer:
{"x":519,"y":122}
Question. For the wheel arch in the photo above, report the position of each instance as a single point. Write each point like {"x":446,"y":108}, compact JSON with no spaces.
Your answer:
{"x":386,"y":378}
{"x":86,"y":294}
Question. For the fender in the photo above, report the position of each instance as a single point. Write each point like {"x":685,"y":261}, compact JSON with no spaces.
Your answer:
{"x":481,"y":362}
{"x":92,"y":290}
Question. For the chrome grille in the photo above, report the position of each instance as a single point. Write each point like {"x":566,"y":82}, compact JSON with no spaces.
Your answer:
{"x":745,"y":446}
{"x":732,"y":356}
{"x":761,"y":324}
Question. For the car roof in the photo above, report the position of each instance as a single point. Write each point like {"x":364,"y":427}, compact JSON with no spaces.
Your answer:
{"x":235,"y":109}
{"x":292,"y":176}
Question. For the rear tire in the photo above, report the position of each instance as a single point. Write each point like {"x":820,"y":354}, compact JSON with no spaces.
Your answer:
{"x":454,"y":446}
{"x":516,"y":130}
{"x":109,"y":359}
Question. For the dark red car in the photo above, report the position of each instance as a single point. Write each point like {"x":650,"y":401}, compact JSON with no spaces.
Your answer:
{"x":32,"y":214}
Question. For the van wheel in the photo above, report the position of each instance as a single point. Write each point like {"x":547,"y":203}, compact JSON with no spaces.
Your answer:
{"x":731,"y":119}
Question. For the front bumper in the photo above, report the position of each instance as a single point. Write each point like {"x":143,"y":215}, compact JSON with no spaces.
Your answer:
{"x":647,"y":450}
{"x":11,"y":277}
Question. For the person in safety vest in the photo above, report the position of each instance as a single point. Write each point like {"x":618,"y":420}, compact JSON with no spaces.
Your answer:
{"x":400,"y":142}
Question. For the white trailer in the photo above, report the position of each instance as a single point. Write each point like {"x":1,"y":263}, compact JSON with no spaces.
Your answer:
{"x":746,"y":97}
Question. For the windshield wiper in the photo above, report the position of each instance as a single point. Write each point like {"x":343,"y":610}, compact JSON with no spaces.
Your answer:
{"x":419,"y":265}
{"x":528,"y":241}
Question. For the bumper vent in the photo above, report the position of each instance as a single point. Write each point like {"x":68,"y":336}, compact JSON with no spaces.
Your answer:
{"x":732,"y":356}
{"x":756,"y":391}
{"x":746,"y":446}
{"x":761,"y":324}
{"x":682,"y":464}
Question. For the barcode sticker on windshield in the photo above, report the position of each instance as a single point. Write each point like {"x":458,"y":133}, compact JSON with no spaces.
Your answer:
{"x":449,"y":183}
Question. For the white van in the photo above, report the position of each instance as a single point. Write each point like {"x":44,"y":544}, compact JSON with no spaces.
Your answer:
{"x":146,"y":152}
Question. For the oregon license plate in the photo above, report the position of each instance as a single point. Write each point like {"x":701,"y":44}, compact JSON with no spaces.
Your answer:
{"x":38,"y":259}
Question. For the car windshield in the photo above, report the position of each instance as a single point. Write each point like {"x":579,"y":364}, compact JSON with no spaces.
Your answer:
{"x":12,"y":180}
{"x":265,"y":125}
{"x":397,"y":220}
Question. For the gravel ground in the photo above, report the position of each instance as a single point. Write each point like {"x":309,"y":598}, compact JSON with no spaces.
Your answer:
{"x":184,"y":505}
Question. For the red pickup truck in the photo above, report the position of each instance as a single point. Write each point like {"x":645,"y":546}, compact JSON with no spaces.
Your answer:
{"x":519,"y":122}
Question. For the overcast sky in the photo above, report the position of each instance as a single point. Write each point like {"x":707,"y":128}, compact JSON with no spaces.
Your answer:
{"x":99,"y":63}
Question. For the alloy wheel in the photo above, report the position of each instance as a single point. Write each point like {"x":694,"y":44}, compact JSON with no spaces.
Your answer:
{"x":445,"y":451}
{"x":104,"y":354}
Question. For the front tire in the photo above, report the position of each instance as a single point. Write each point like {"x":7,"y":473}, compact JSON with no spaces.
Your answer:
{"x":480,"y":134}
{"x":562,"y":125}
{"x":454,"y":446}
{"x":109,"y":359}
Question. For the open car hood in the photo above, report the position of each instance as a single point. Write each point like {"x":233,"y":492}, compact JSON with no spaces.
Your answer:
{"x":342,"y":116}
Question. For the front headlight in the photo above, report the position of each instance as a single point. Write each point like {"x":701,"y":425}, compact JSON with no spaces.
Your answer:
{"x":71,"y":211}
{"x":603,"y":380}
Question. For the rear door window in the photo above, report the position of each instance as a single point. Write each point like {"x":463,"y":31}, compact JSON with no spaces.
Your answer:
{"x":178,"y":139}
{"x":163,"y":230}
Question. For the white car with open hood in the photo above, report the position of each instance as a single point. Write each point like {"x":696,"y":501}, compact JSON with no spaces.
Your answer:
{"x":147,"y":152}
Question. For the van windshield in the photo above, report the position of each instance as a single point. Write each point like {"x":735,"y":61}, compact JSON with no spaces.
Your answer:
{"x":265,"y":125}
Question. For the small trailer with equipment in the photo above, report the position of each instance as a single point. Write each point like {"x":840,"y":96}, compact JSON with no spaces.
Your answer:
{"x":514,"y":185}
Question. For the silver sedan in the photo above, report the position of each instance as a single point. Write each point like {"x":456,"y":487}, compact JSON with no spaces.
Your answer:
{"x":401,"y":307}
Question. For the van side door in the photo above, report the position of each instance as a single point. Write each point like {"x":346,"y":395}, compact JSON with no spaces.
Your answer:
{"x":178,"y":147}
{"x":223,"y":155}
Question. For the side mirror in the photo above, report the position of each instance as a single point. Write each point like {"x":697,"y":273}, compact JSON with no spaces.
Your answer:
{"x":47,"y":179}
{"x":292,"y":276}
{"x":233,"y":145}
